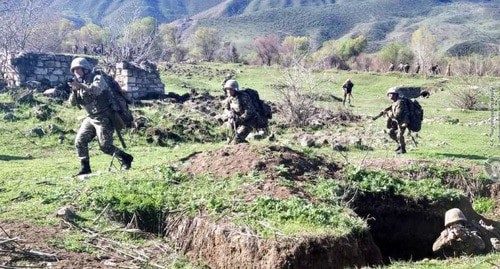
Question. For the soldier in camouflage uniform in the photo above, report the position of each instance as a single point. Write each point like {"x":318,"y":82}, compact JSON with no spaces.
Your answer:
{"x":458,"y":238}
{"x":397,"y":120}
{"x":240,"y":111}
{"x":92,"y":92}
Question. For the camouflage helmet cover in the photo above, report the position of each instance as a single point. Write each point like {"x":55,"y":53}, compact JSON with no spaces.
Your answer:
{"x":393,"y":90}
{"x":231,"y":84}
{"x":453,"y":215}
{"x":80,"y":62}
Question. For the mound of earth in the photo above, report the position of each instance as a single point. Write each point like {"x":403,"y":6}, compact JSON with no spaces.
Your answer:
{"x":274,"y":162}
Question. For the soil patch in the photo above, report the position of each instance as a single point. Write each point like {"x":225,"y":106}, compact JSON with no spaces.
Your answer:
{"x":49,"y":240}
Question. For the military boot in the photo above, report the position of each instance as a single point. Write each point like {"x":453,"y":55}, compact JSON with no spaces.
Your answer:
{"x":85,"y":168}
{"x":402,"y":150}
{"x":125,"y":158}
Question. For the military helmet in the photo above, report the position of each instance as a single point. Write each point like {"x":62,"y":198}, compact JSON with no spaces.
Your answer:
{"x":453,"y":215}
{"x":80,"y":62}
{"x":392,"y":90}
{"x":232,"y":84}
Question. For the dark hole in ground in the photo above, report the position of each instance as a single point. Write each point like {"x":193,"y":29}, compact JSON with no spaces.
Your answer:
{"x":403,"y":229}
{"x":147,"y":220}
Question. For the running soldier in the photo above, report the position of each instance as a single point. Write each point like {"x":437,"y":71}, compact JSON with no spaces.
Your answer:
{"x":93,"y":93}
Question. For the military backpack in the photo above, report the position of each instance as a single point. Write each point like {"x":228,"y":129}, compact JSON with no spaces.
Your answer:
{"x":264,"y":112}
{"x":119,"y":99}
{"x":416,"y":114}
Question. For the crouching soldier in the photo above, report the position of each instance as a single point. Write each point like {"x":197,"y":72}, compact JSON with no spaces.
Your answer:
{"x":93,"y":93}
{"x":240,"y":112}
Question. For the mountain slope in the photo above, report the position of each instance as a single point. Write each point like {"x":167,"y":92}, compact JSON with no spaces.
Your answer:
{"x":381,"y":21}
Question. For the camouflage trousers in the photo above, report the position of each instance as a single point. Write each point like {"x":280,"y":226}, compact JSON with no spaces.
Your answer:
{"x":100,"y":127}
{"x":242,"y":131}
{"x":397,"y":132}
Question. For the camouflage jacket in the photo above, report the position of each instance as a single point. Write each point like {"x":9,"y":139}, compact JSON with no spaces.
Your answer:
{"x":241,"y":107}
{"x":96,"y":100}
{"x":399,"y":112}
{"x":458,"y":240}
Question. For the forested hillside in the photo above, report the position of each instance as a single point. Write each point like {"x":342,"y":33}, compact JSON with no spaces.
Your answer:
{"x":380,"y":21}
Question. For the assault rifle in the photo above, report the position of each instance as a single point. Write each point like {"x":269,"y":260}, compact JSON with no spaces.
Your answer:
{"x":232,"y":120}
{"x":383,"y":112}
{"x":118,"y":123}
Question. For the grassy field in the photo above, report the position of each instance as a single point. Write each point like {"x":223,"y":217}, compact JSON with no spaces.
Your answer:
{"x":36,"y":173}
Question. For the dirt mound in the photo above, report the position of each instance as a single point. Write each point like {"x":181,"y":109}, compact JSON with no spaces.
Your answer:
{"x":274,"y":161}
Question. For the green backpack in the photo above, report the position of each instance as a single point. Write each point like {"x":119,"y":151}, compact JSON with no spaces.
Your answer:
{"x":119,"y":99}
{"x":264,"y":112}
{"x":416,"y":114}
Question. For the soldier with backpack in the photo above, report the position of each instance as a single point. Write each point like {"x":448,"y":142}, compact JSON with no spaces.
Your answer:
{"x":403,"y":114}
{"x":244,"y":111}
{"x":91,"y":91}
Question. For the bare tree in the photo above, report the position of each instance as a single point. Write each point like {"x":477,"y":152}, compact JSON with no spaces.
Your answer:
{"x":423,"y":43}
{"x":207,"y":42}
{"x":229,"y":53}
{"x":132,"y":38}
{"x":171,"y":37}
{"x":294,"y":90}
{"x":50,"y":35}
{"x":268,"y":48}
{"x":18,"y":19}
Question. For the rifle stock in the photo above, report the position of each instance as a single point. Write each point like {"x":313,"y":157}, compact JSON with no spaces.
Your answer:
{"x":118,"y":123}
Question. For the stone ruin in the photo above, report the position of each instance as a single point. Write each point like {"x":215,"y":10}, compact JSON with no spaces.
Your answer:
{"x":50,"y":70}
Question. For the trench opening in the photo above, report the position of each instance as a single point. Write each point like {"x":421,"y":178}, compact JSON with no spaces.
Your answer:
{"x":150,"y":221}
{"x":403,"y":230}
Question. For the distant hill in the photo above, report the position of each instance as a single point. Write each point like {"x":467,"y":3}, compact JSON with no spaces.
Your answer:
{"x":381,"y":21}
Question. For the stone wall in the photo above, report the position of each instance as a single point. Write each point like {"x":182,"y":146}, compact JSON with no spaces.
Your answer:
{"x":49,"y":69}
{"x":141,"y":81}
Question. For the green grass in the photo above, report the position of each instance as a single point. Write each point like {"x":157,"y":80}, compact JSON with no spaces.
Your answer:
{"x":35,"y":174}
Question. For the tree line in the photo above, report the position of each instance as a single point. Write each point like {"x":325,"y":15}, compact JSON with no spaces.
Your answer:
{"x":28,"y":25}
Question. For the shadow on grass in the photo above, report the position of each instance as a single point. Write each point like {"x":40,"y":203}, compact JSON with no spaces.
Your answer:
{"x":463,"y":156}
{"x":13,"y":158}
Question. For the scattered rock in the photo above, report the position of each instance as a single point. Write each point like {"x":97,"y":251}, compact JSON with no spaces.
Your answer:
{"x":36,"y":132}
{"x":67,"y":213}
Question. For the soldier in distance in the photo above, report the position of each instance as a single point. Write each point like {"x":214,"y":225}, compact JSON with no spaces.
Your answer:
{"x":92,"y":92}
{"x":347,"y":87}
